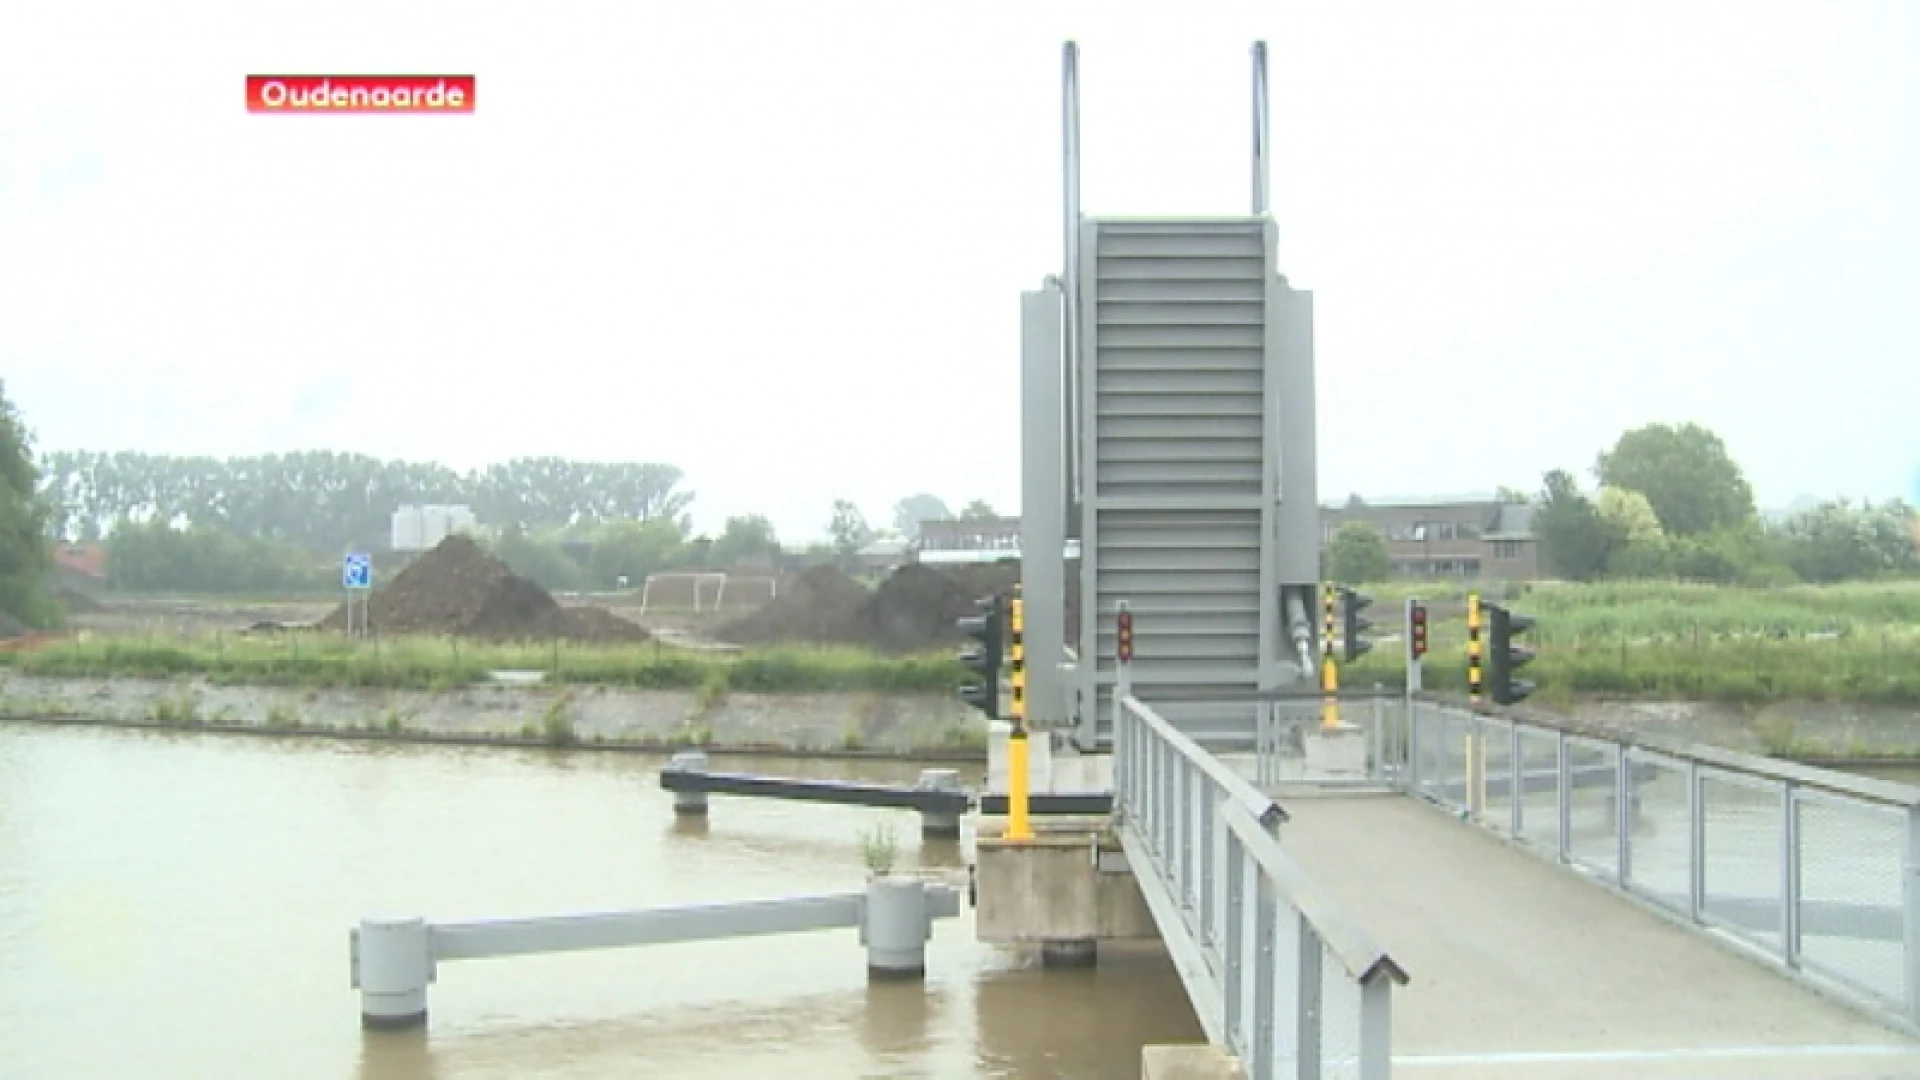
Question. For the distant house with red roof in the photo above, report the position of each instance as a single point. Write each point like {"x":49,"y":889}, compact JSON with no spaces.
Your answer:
{"x":81,"y":566}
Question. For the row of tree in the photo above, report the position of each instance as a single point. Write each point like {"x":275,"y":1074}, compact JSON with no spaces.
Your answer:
{"x":278,"y":522}
{"x":169,"y":556}
{"x":1672,"y":503}
{"x":25,"y":561}
{"x":324,"y":501}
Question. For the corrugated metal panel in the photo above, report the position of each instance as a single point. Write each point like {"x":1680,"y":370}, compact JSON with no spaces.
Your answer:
{"x":1180,"y":460}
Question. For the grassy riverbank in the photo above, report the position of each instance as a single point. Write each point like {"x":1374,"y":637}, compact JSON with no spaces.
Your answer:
{"x":445,"y":663}
{"x":1856,"y":643}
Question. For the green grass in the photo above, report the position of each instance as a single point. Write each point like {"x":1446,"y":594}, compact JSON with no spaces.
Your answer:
{"x":437,"y":664}
{"x":1857,"y":643}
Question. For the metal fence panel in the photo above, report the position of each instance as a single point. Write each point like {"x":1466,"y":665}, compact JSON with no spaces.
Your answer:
{"x":1817,"y":871}
{"x":1850,"y":871}
{"x":1593,"y":778}
{"x":1741,"y":866}
{"x":1660,"y":832}
{"x":1540,"y":805}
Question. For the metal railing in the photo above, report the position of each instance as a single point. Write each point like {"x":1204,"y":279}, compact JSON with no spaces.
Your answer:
{"x":1815,"y":871}
{"x":1276,"y":972}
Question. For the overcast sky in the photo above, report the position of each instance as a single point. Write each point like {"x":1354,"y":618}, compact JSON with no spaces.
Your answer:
{"x":781,"y":245}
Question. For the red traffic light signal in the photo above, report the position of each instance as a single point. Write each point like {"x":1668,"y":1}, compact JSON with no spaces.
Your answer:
{"x":1123,"y":637}
{"x":1417,"y":628}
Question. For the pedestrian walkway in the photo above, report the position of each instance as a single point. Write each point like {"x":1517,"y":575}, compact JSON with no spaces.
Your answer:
{"x":1524,"y":968}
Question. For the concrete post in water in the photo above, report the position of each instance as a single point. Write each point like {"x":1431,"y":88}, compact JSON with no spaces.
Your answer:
{"x":689,"y":803}
{"x":939,"y":822}
{"x":895,"y":928}
{"x":393,"y":963}
{"x":1070,"y":953}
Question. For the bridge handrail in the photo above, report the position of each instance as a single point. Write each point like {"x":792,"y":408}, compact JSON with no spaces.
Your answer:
{"x":1746,"y":847}
{"x":1202,"y":842}
{"x":1364,"y":960}
{"x":1869,"y":788}
{"x":1236,"y":787}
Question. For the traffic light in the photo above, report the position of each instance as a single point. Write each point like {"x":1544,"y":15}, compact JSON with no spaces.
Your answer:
{"x":1504,"y":658}
{"x":1417,"y":627}
{"x":989,"y":629}
{"x":1352,"y":624}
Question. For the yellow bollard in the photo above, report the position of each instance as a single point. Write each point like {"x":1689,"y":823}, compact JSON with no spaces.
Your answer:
{"x":1473,"y":648}
{"x":1330,"y":683}
{"x":1018,"y":763}
{"x":1019,"y":767}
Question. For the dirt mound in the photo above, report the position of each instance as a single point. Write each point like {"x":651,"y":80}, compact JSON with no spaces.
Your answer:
{"x":594,"y":624}
{"x":919,"y":607}
{"x":821,"y":606}
{"x":459,"y":589}
{"x":983,"y":579}
{"x":77,"y":602}
{"x":915,"y":609}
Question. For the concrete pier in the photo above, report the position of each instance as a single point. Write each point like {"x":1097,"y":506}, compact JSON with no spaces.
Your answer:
{"x":940,"y":822}
{"x":1057,"y":892}
{"x":1068,"y":888}
{"x":689,"y":803}
{"x":1189,"y":1063}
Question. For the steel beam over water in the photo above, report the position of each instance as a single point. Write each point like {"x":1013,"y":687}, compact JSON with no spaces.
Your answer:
{"x":880,"y":796}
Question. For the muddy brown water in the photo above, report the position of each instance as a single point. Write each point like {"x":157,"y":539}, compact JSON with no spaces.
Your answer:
{"x":177,"y":906}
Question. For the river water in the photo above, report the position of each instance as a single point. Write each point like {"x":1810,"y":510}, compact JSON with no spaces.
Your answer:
{"x":176,"y":905}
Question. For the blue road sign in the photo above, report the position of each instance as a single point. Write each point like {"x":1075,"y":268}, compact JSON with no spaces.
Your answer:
{"x":356,"y":571}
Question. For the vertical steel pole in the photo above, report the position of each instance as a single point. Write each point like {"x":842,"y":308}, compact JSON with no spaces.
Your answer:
{"x":1308,"y":1001}
{"x":1790,"y":883}
{"x":1910,"y":913}
{"x":1376,"y":1028}
{"x":1696,"y":843}
{"x":1070,"y":195}
{"x":1262,"y":194}
{"x":1415,"y":671}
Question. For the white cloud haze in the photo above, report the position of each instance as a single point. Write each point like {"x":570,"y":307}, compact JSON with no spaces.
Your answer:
{"x":782,"y":245}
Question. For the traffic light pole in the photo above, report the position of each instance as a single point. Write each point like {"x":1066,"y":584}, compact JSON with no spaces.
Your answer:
{"x":1475,"y":765}
{"x":1019,"y":761}
{"x":1415,"y":664}
{"x":1329,"y":673}
{"x":1473,"y":648}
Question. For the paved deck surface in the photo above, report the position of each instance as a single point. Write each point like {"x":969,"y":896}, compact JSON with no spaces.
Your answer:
{"x":1521,"y":968}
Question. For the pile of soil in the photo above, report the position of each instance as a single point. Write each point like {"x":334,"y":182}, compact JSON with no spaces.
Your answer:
{"x":916,"y":609}
{"x":459,"y":589}
{"x":822,"y":606}
{"x":981,"y":579}
{"x":593,"y":624}
{"x":77,"y":602}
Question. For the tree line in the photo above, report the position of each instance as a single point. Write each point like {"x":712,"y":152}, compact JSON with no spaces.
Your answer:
{"x":323,"y":501}
{"x":1670,"y":502}
{"x":278,"y":522}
